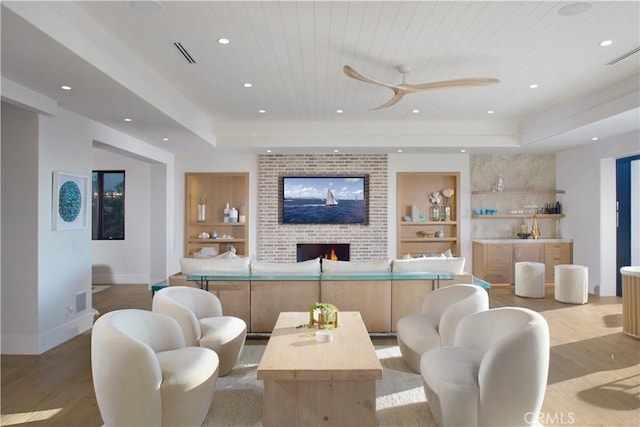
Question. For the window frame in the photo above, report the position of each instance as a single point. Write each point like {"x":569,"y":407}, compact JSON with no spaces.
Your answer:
{"x":97,"y":233}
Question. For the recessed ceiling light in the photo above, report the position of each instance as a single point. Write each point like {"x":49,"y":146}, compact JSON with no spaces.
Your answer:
{"x":336,"y":151}
{"x":463,"y":151}
{"x":399,"y":150}
{"x":339,"y":111}
{"x":165,"y":139}
{"x":247,"y":85}
{"x":595,"y":138}
{"x":415,"y":111}
{"x":606,"y":43}
{"x":262,"y":111}
{"x":268,"y":151}
{"x":490,"y":112}
{"x":573,"y":9}
{"x":65,"y":87}
{"x":533,"y":86}
{"x":222,"y":40}
{"x":128,"y":120}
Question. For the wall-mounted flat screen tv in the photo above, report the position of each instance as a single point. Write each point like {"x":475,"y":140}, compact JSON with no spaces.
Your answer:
{"x":340,"y":199}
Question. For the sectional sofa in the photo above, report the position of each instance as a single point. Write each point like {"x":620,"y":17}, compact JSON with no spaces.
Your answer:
{"x":383,"y":291}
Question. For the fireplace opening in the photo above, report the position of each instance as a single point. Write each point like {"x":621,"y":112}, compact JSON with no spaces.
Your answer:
{"x":333,"y":251}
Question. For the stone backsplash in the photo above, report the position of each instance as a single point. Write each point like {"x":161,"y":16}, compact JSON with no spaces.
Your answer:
{"x":519,"y":172}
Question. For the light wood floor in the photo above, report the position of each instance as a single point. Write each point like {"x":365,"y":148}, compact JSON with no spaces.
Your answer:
{"x":594,"y":375}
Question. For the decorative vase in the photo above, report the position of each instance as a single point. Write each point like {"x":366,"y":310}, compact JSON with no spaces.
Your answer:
{"x":202,"y":212}
{"x":434,"y":213}
{"x":535,"y":231}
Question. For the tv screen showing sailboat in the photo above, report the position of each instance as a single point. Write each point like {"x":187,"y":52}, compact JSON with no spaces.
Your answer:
{"x":324,"y":200}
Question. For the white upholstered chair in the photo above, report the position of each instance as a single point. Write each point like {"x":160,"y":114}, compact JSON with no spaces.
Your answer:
{"x":436,"y":323}
{"x":144,"y":375}
{"x":200,"y":315}
{"x":495,"y":374}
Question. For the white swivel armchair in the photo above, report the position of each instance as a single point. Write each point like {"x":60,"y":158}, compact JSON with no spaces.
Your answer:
{"x":199,"y":313}
{"x":144,"y":375}
{"x":435,"y":325}
{"x":495,"y":374}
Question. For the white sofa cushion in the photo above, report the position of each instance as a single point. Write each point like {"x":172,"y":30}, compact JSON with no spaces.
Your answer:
{"x":377,"y":266}
{"x":194,"y":266}
{"x":431,"y":265}
{"x":311,"y":266}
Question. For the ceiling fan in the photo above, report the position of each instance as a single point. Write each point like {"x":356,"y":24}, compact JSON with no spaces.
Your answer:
{"x":402,"y":89}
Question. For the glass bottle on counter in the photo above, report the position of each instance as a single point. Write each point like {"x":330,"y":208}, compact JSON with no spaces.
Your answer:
{"x":500,"y":183}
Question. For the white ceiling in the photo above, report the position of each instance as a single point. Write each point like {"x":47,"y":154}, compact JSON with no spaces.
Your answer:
{"x":121,"y":62}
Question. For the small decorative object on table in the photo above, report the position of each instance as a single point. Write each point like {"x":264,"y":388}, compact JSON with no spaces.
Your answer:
{"x":324,"y":315}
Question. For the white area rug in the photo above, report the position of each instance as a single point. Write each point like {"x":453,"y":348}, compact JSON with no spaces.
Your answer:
{"x":400,"y":397}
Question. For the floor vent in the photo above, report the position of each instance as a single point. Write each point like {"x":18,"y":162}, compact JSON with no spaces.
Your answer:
{"x":624,"y":55}
{"x":183,"y":50}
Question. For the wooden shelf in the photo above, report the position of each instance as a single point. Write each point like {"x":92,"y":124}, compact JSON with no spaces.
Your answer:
{"x":427,"y":223}
{"x":217,"y":224}
{"x":510,"y":216}
{"x":218,"y":189}
{"x":413,"y":188}
{"x":196,"y":240}
{"x":518,"y":192}
{"x":429,"y":239}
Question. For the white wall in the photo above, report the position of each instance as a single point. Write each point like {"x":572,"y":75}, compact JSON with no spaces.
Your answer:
{"x":43,"y":270}
{"x":19,"y":285}
{"x":587,"y":173}
{"x":64,"y":256}
{"x":125,"y":261}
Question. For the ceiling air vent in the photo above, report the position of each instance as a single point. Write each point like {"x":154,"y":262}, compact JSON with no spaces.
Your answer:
{"x":624,"y":55}
{"x":183,"y":50}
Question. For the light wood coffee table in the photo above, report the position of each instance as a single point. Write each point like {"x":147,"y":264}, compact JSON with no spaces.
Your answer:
{"x":308,"y":383}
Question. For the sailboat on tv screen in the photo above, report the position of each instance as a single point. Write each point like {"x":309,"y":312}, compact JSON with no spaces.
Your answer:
{"x":331,"y":199}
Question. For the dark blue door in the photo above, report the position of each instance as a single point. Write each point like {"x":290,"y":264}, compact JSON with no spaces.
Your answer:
{"x":624,"y":187}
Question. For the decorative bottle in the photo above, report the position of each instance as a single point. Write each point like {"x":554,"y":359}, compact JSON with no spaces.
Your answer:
{"x":233,"y":215}
{"x":500,"y":183}
{"x":227,"y":212}
{"x":447,"y":210}
{"x":202,"y":207}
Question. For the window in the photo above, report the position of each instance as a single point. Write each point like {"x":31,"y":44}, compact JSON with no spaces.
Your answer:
{"x":107,"y":218}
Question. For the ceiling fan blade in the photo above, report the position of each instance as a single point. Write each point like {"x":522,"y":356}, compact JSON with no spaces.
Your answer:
{"x":397,"y":97}
{"x":480,"y":81}
{"x":350,"y":72}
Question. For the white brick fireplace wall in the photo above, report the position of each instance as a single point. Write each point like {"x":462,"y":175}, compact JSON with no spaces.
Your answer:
{"x":277,"y":242}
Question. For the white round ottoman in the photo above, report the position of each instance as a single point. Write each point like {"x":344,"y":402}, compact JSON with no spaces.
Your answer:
{"x":529,"y":279}
{"x":571,"y":283}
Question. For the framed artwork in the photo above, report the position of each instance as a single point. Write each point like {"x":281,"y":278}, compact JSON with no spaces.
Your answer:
{"x":70,"y":201}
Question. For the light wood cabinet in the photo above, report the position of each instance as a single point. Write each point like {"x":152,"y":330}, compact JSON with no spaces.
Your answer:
{"x":533,"y":252}
{"x":217,"y":189}
{"x":495,"y":262}
{"x":417,"y":237}
{"x":556,"y":254}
